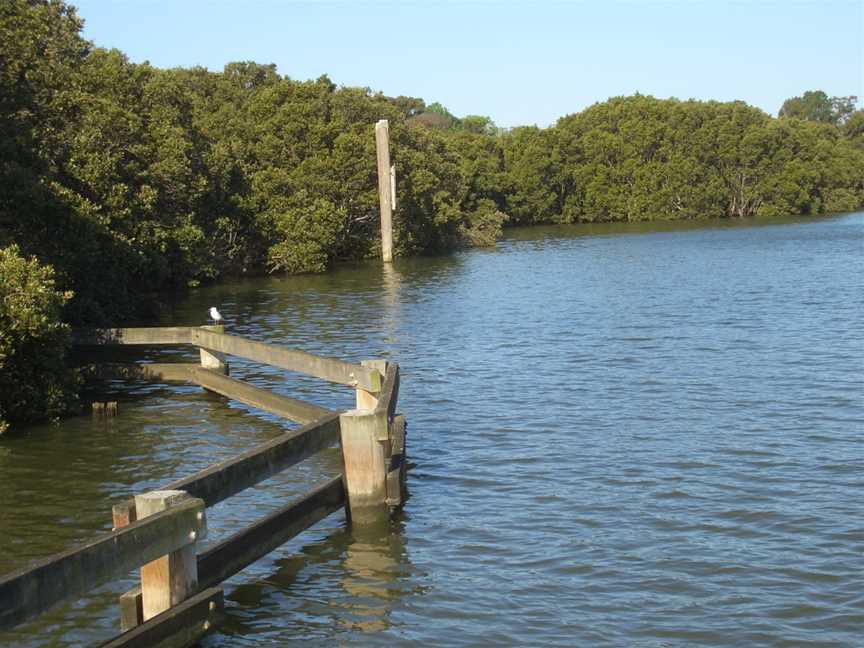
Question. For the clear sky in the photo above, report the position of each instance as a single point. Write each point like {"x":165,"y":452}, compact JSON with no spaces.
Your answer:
{"x":517,"y":62}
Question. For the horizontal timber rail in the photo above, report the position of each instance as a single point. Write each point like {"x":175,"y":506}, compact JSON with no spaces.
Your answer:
{"x":179,"y":599}
{"x":335,"y":371}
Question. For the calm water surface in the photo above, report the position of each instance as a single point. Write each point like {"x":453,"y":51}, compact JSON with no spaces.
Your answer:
{"x":621,"y":436}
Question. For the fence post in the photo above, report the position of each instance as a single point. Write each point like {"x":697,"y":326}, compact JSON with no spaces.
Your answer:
{"x":131,"y":614}
{"x":211,"y":360}
{"x":382,"y":143}
{"x":367,"y":399}
{"x":364,"y":456}
{"x":168,"y":580}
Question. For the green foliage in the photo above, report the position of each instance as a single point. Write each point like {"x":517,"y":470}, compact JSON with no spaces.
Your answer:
{"x":34,"y":382}
{"x":129,"y":180}
{"x":853,"y":128}
{"x":305,"y":233}
{"x":815,"y":105}
{"x":640,"y":158}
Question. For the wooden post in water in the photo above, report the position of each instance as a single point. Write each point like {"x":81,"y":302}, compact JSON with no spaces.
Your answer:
{"x":385,"y":191}
{"x":365,"y":463}
{"x":212,"y":360}
{"x":168,"y":580}
{"x":365,"y":452}
{"x":131,"y":614}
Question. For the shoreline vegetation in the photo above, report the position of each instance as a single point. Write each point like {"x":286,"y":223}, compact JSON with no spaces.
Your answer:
{"x":121,"y":180}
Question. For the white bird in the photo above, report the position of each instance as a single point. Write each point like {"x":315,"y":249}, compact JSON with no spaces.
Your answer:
{"x":215,"y":315}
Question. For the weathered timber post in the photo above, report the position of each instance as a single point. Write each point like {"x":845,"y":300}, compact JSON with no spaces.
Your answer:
{"x":385,"y":191}
{"x":365,"y":462}
{"x":131,"y":614}
{"x":365,"y":453}
{"x":368,"y":399}
{"x":168,"y":580}
{"x":210,"y":359}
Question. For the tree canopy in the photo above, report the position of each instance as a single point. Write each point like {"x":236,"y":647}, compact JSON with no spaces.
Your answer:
{"x":128,"y":180}
{"x":815,"y":105}
{"x":123,"y":175}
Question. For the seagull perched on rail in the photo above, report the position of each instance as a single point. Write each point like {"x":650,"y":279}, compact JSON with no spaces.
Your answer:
{"x":215,"y":315}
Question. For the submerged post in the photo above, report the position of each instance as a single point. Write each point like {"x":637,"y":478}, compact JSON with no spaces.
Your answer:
{"x":382,"y":142}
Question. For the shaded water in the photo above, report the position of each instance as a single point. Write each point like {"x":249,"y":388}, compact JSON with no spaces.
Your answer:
{"x":629,"y":435}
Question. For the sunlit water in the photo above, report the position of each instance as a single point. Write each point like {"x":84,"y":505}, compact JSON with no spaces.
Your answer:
{"x":621,"y":436}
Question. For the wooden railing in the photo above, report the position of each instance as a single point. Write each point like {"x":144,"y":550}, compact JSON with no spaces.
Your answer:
{"x":179,"y":600}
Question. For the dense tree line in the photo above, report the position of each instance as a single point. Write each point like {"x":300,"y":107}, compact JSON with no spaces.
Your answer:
{"x":123,"y":180}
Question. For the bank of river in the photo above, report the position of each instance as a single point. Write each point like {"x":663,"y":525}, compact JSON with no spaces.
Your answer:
{"x":622,"y":435}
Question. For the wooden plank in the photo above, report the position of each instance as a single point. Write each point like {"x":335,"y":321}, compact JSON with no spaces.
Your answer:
{"x":172,"y":578}
{"x":397,"y":464}
{"x":144,"y":336}
{"x":289,"y":408}
{"x":29,"y":591}
{"x":364,"y":459}
{"x":389,"y":395}
{"x":179,"y":627}
{"x":382,"y":145}
{"x":329,"y":369}
{"x":214,"y":361}
{"x":165,"y":372}
{"x":222,"y":480}
{"x":233,"y":554}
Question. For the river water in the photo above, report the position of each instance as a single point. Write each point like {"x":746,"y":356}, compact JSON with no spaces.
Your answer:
{"x":620,"y":435}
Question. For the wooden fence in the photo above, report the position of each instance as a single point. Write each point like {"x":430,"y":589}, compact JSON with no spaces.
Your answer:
{"x":178,"y":600}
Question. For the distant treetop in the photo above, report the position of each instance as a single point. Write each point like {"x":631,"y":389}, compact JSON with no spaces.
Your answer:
{"x":815,"y":105}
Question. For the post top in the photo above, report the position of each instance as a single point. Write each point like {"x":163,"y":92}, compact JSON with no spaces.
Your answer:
{"x":163,"y":494}
{"x":358,"y":412}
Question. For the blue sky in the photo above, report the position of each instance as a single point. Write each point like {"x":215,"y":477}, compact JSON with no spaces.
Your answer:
{"x":517,"y":62}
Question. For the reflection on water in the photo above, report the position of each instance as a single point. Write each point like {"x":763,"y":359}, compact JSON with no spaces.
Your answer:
{"x":621,"y":435}
{"x":349,"y":580}
{"x":375,"y":558}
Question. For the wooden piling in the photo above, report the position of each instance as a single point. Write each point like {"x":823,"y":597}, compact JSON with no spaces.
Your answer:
{"x":168,"y":580}
{"x":212,"y":360}
{"x":365,"y":461}
{"x":382,"y":142}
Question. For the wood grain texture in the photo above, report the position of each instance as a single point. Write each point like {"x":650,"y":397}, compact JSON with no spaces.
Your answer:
{"x":171,"y":579}
{"x":365,"y":461}
{"x":382,"y":146}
